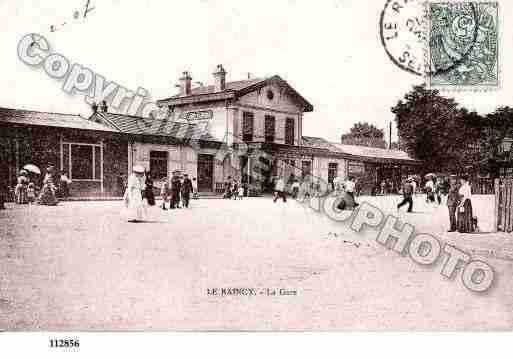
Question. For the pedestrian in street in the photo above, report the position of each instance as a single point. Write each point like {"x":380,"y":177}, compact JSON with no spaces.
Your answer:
{"x":31,"y":193}
{"x":295,"y":188}
{"x":241,"y":191}
{"x":186,"y":189}
{"x":430,"y":191}
{"x":21,"y":188}
{"x":148,"y":190}
{"x":134,"y":209}
{"x":453,"y":201}
{"x":175,"y":191}
{"x":164,"y":192}
{"x":350,"y":187}
{"x":228,"y":188}
{"x":48,"y":196}
{"x":279,"y":190}
{"x":438,"y":190}
{"x":195,"y":194}
{"x":465,"y":222}
{"x":407,"y":195}
{"x":65,"y":182}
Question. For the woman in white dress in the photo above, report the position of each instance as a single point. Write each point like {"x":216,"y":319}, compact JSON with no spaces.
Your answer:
{"x":135,"y":209}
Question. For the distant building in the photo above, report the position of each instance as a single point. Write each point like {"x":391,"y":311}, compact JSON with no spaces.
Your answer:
{"x":251,"y":130}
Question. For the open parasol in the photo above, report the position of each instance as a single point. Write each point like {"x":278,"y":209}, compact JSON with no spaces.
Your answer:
{"x":32,"y":168}
{"x":138,"y":169}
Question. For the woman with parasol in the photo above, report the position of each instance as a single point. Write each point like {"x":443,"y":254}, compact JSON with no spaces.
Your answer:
{"x":134,"y":209}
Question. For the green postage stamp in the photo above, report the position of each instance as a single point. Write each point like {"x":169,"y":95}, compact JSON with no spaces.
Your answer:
{"x":464,"y":45}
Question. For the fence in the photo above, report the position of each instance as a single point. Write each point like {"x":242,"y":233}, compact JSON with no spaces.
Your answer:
{"x":504,"y":205}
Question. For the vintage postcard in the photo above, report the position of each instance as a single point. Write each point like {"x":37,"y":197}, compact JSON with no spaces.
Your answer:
{"x":256,"y":166}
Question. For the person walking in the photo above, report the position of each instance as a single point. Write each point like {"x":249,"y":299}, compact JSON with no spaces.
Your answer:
{"x":195,"y":194}
{"x":47,"y":197}
{"x":350,"y":187}
{"x":164,"y":192}
{"x":134,"y":209}
{"x":453,"y":202}
{"x":407,"y":195}
{"x":64,"y":185}
{"x":175,"y":191}
{"x":430,"y":191}
{"x":186,"y":189}
{"x":148,"y":190}
{"x":21,"y":188}
{"x":279,"y":190}
{"x":465,"y":218}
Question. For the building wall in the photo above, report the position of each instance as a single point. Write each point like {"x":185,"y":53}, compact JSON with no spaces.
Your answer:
{"x":281,"y":107}
{"x":227,"y":118}
{"x":42,"y":146}
{"x":184,"y":159}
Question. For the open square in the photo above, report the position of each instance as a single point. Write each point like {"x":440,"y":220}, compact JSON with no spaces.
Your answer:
{"x":80,"y":266}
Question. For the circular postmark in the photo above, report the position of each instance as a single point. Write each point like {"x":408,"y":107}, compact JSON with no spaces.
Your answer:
{"x":428,"y":39}
{"x":403,"y":31}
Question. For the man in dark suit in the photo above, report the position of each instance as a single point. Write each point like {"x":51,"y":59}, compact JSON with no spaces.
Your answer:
{"x":175,"y":192}
{"x":186,"y":190}
{"x":453,"y":201}
{"x":407,"y":195}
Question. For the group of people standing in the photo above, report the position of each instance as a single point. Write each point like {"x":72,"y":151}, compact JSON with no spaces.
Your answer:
{"x":52,"y":186}
{"x":178,"y":190}
{"x":459,"y":200}
{"x":233,"y":189}
{"x":139,"y":193}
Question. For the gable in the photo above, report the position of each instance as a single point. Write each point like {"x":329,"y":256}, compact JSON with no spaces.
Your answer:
{"x":275,"y":97}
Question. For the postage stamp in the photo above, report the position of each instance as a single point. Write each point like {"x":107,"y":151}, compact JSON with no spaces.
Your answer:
{"x":464,"y":45}
{"x":454,"y":45}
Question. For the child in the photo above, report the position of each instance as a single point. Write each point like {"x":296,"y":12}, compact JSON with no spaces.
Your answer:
{"x":31,"y":193}
{"x":241,"y":191}
{"x":164,"y":193}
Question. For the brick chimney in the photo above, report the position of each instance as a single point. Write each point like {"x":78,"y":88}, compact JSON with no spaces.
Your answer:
{"x":185,"y":84}
{"x":219,"y":79}
{"x":104,"y":107}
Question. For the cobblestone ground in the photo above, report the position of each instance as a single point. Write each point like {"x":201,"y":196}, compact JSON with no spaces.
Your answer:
{"x":79,"y":266}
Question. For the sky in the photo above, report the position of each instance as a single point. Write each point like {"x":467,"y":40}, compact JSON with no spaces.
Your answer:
{"x":328,"y":50}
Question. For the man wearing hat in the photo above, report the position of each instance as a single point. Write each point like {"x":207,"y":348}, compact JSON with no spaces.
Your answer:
{"x":407,"y":195}
{"x":175,"y":191}
{"x":453,"y":201}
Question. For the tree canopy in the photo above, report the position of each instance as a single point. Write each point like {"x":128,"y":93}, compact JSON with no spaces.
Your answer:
{"x":437,"y":131}
{"x":364,"y":134}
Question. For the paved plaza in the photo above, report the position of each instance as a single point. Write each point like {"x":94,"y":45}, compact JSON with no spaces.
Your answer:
{"x":80,"y":266}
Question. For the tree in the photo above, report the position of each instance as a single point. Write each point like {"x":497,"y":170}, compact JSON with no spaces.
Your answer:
{"x":364,"y":134}
{"x":435,"y":130}
{"x":495,"y":127}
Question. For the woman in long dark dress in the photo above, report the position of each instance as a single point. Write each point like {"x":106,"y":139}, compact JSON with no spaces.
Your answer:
{"x":464,"y":210}
{"x":148,"y":191}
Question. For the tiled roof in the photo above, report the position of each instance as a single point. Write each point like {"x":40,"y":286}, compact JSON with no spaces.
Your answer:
{"x":230,"y":86}
{"x":318,"y":142}
{"x":372,"y":153}
{"x":49,"y":119}
{"x":157,"y":127}
{"x":234,"y":88}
